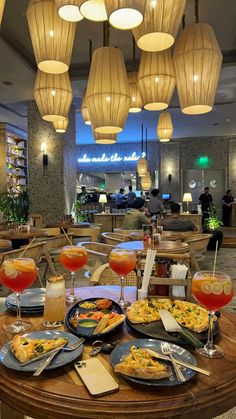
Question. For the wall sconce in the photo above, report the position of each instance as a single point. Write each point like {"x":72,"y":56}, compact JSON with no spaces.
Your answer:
{"x":45,"y":157}
{"x":169,"y":177}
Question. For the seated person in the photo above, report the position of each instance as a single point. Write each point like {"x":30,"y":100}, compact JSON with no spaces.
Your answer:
{"x":155,"y":205}
{"x":135,"y":218}
{"x":176,"y":222}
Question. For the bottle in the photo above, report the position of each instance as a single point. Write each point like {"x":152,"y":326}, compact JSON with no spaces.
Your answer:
{"x":55,"y":306}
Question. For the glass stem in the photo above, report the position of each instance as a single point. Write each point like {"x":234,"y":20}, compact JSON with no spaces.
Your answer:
{"x":122,"y":282}
{"x":210,"y":343}
{"x":18,"y":298}
{"x":72,"y":289}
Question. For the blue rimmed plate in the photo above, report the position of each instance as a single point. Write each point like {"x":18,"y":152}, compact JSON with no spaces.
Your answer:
{"x":182,"y":354}
{"x":64,"y":357}
{"x":31,"y":298}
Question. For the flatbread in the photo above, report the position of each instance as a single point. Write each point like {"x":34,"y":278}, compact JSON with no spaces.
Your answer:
{"x":25,"y":349}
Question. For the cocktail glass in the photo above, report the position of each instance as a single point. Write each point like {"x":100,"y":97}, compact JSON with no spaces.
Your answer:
{"x":73,"y":258}
{"x":17,"y":275}
{"x":213,"y":291}
{"x":122,"y":262}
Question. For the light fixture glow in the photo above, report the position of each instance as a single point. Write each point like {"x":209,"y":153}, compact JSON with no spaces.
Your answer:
{"x":136,"y":104}
{"x":60,"y":126}
{"x":43,"y":147}
{"x":104,"y":138}
{"x":125,"y":14}
{"x":84,"y":109}
{"x":51,"y":33}
{"x":69,"y":10}
{"x":93,"y":10}
{"x":164,"y":127}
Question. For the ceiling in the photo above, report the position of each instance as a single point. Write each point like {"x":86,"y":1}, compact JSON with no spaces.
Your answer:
{"x":18,"y":67}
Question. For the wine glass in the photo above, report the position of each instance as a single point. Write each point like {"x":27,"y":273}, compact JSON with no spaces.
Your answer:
{"x":73,"y":258}
{"x":122,"y":262}
{"x":17,"y":275}
{"x":213,"y":291}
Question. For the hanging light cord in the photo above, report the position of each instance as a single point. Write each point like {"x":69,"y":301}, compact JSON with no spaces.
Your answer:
{"x":90,"y":50}
{"x":196,"y":11}
{"x":106,"y":34}
{"x":146,"y":142}
{"x":134,"y":53}
{"x":183,"y":22}
{"x":142,"y":138}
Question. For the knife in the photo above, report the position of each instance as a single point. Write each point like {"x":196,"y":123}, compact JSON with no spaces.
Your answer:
{"x":178,"y":361}
{"x":45,"y":355}
{"x":171,"y":325}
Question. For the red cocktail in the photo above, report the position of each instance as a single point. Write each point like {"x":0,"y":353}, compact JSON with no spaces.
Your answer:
{"x":122,"y":262}
{"x":73,"y":258}
{"x":17,"y":275}
{"x":213,"y":291}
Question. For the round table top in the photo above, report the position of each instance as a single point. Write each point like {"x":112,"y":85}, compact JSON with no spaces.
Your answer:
{"x":60,"y":393}
{"x":5,"y":245}
{"x":164,"y":246}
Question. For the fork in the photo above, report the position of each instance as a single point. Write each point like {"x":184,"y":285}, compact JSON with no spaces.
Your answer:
{"x":70,"y":347}
{"x":166,"y":350}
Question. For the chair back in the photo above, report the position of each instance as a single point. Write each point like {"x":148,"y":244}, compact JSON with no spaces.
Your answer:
{"x":198,"y":242}
{"x":37,"y":219}
{"x":113,"y":238}
{"x":98,"y":254}
{"x":104,"y":275}
{"x":57,"y":242}
{"x":33,"y":252}
{"x":93,"y":232}
{"x":127,"y":232}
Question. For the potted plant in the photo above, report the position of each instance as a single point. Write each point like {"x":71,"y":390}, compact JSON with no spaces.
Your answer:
{"x":15,"y":207}
{"x":213,"y":225}
{"x":77,"y":213}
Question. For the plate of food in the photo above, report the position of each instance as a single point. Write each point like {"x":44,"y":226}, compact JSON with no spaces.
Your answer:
{"x":31,"y":345}
{"x":94,"y":318}
{"x":132,"y":361}
{"x":31,"y":298}
{"x":143,"y":317}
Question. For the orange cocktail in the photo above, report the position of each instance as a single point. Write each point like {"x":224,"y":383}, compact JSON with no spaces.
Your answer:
{"x":17,"y":275}
{"x":73,"y":258}
{"x":122,"y":262}
{"x":213,"y":291}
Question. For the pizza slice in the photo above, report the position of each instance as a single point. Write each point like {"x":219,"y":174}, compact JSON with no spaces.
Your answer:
{"x":190,"y":315}
{"x":25,"y":348}
{"x":142,"y":311}
{"x":139,"y":364}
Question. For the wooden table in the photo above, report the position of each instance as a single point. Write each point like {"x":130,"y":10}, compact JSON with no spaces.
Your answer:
{"x":165,"y":246}
{"x":60,"y":393}
{"x":5,"y":245}
{"x":19,"y":239}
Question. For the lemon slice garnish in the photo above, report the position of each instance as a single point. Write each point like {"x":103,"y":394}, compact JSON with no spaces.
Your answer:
{"x":227,"y":288}
{"x":206,"y":287}
{"x":217,"y":288}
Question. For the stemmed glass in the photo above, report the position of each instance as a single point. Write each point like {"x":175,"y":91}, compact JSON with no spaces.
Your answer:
{"x":122,"y":262}
{"x":213,"y":291}
{"x":17,"y":275}
{"x":73,"y":258}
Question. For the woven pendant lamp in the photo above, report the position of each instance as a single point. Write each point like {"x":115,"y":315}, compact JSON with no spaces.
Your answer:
{"x":142,"y":166}
{"x":69,"y":10}
{"x":125,"y":14}
{"x":52,"y":37}
{"x":53,"y":95}
{"x":136,"y":99}
{"x":2,"y":5}
{"x":93,"y":10}
{"x":104,"y":138}
{"x":61,"y":126}
{"x":164,"y":127}
{"x":156,"y":79}
{"x":84,"y":109}
{"x":108,"y":99}
{"x":146,"y":182}
{"x":197,"y":63}
{"x":161,"y":21}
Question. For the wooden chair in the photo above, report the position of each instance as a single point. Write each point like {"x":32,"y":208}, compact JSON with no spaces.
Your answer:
{"x":198,"y":245}
{"x":92,"y":232}
{"x":35,"y":252}
{"x":37,"y":219}
{"x":98,"y":254}
{"x":104,"y":275}
{"x":51,"y":231}
{"x":187,"y":283}
{"x":113,"y":238}
{"x":126,"y":232}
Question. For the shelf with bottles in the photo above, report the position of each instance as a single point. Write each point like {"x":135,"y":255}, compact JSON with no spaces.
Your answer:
{"x":16,"y":163}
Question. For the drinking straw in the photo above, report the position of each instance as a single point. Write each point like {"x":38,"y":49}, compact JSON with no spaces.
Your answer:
{"x":68,"y":238}
{"x":148,"y":268}
{"x":26,"y":248}
{"x":214,"y":266}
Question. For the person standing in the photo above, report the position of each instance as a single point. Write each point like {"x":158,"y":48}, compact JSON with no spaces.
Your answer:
{"x":131,"y":196}
{"x":227,"y":208}
{"x":119,"y":199}
{"x":155,"y":206}
{"x":206,"y":201}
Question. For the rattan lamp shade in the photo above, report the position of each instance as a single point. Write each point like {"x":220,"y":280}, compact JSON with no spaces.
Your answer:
{"x":125,"y":14}
{"x":136,"y":99}
{"x":69,"y":10}
{"x":61,"y":126}
{"x":52,"y":37}
{"x":156,"y":79}
{"x":159,"y":27}
{"x":53,"y":95}
{"x":146,"y":182}
{"x":108,"y":99}
{"x":142,"y":166}
{"x":164,"y":127}
{"x":104,"y":138}
{"x":84,"y":110}
{"x":197,"y":63}
{"x":93,"y":10}
{"x":2,"y":5}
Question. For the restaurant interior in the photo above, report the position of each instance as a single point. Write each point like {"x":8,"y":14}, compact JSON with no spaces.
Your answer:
{"x":117,"y":209}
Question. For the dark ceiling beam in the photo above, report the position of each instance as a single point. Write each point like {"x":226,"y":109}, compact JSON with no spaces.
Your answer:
{"x":19,"y":51}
